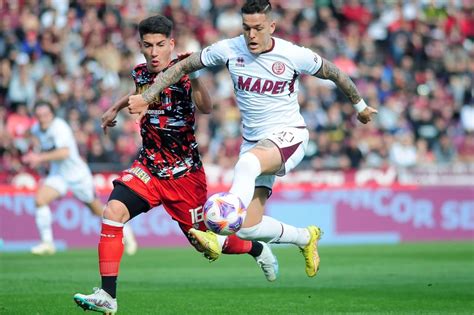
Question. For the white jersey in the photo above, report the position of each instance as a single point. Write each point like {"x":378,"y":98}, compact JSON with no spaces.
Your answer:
{"x":265,"y":85}
{"x":59,"y":135}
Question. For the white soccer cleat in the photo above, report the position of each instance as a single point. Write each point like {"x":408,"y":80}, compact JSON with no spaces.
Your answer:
{"x":99,"y":301}
{"x":44,"y":248}
{"x":268,"y":262}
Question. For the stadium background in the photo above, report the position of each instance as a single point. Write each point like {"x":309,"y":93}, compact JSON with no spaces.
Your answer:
{"x":407,"y":177}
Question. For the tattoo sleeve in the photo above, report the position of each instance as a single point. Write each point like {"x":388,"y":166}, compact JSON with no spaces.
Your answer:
{"x":172,"y":75}
{"x":330,"y":72}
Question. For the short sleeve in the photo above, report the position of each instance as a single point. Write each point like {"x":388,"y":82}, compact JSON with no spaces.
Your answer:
{"x":217,"y":54}
{"x":307,"y":61}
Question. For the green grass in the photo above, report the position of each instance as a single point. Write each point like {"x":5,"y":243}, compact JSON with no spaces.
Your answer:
{"x":429,"y":278}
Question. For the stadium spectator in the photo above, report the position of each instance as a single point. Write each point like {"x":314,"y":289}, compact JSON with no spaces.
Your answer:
{"x":436,"y":35}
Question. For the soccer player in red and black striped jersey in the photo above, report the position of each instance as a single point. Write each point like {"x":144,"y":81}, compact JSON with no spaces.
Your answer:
{"x":167,"y":172}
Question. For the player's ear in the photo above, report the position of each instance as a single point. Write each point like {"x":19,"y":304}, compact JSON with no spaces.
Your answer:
{"x":272,"y":26}
{"x":172,"y":43}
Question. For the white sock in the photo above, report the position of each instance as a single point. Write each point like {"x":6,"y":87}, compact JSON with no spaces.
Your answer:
{"x":44,"y":222}
{"x":245,"y":172}
{"x":271,"y":230}
{"x":221,"y":240}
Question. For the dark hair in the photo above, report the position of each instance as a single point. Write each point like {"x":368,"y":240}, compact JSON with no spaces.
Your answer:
{"x":256,"y":6}
{"x":44,"y":103}
{"x":157,"y":24}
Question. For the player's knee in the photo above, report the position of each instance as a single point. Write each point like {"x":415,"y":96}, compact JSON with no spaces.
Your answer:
{"x":116,"y":212}
{"x":40,"y":201}
{"x":248,"y":233}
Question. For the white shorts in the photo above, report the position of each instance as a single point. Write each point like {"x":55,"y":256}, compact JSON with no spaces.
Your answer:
{"x":82,"y":190}
{"x":292,"y":143}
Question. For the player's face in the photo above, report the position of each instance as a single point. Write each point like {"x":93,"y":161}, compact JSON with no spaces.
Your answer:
{"x":45,"y":116}
{"x":258,"y":29}
{"x":157,"y":49}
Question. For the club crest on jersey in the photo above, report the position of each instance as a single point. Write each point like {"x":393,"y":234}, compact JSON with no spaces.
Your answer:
{"x":278,"y":68}
{"x":240,"y":62}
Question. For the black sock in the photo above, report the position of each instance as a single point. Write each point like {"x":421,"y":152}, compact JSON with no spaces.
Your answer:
{"x":256,"y":249}
{"x":109,"y":285}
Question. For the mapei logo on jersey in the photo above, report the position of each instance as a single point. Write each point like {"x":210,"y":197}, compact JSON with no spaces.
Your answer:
{"x":240,"y":62}
{"x":260,"y":86}
{"x":141,"y":174}
{"x":278,"y":68}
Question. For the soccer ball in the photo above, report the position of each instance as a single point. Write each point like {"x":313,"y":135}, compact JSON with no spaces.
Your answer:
{"x":224,"y":213}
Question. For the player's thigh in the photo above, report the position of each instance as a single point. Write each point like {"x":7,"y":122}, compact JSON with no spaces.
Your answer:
{"x":124,"y":204}
{"x":84,"y":191}
{"x":51,"y":189}
{"x":183,"y":199}
{"x":136,"y":189}
{"x":268,"y":155}
{"x":291,"y":144}
{"x":256,"y":208}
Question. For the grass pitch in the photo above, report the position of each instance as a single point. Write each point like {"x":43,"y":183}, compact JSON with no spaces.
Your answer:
{"x":429,"y":278}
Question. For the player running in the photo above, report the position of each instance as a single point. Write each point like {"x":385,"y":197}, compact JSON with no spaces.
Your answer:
{"x":67,"y":171}
{"x":167,"y":172}
{"x":264,"y":70}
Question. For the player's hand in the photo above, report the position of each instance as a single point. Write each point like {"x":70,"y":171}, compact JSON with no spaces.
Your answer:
{"x":184,"y":55}
{"x":108,"y":119}
{"x":137,"y":105}
{"x":366,"y":115}
{"x":32,"y":159}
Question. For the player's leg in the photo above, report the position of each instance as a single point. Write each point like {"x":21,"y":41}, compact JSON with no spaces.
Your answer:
{"x":273,"y":231}
{"x":212,"y":245}
{"x":260,"y":158}
{"x":52,"y":189}
{"x":84,"y":191}
{"x":130,"y":197}
{"x":129,"y":240}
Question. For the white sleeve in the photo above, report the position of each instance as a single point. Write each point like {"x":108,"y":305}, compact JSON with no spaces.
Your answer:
{"x":63,"y":137}
{"x":217,"y":54}
{"x":307,"y":61}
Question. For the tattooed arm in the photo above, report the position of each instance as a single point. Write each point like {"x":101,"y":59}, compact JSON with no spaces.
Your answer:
{"x":172,"y":75}
{"x":330,"y":72}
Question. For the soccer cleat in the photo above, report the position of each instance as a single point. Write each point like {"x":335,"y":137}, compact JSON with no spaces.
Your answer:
{"x":310,"y":251}
{"x":268,"y":262}
{"x":43,"y":248}
{"x":205,"y":242}
{"x":99,"y":301}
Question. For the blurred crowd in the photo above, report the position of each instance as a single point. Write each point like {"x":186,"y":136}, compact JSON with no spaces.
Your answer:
{"x":412,"y":60}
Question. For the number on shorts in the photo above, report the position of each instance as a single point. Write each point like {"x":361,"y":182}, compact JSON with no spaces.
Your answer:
{"x":197,"y":215}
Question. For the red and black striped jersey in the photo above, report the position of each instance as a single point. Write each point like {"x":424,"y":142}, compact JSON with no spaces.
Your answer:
{"x":169,"y":148}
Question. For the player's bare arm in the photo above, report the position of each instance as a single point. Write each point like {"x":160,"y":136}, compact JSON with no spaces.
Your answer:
{"x":138,"y":104}
{"x":329,"y":71}
{"x":172,"y":75}
{"x":108,"y":118}
{"x":201,"y":97}
{"x":33,"y":159}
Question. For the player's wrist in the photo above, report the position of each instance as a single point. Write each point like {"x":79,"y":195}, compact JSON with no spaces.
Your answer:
{"x":360,"y":106}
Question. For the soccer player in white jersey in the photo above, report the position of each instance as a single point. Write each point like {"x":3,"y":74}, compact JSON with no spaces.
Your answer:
{"x":264,"y":70}
{"x":67,"y":171}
